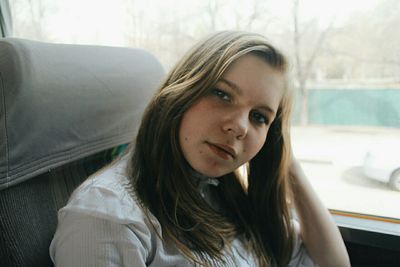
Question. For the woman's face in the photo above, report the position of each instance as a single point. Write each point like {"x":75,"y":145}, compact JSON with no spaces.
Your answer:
{"x":227,"y":127}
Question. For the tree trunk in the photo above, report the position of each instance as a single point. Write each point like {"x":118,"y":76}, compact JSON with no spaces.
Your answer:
{"x":304,"y":105}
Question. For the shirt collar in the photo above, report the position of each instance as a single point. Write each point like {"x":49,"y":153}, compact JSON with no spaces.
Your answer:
{"x":202,"y":180}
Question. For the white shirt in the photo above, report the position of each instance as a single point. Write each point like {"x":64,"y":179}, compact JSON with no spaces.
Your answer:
{"x":103,"y":225}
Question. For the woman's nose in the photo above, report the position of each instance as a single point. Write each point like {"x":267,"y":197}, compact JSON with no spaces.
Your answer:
{"x":237,"y":124}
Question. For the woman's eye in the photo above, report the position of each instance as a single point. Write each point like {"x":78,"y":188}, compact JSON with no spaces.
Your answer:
{"x":221,"y":94}
{"x":258,"y":117}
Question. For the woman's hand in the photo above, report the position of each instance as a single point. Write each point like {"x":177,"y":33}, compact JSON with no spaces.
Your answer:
{"x":319,"y":232}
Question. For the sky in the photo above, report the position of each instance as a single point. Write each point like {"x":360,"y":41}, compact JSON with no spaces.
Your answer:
{"x":107,"y":20}
{"x":324,"y":10}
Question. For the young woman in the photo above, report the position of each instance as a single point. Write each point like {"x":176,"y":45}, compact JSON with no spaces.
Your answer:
{"x":179,"y":196}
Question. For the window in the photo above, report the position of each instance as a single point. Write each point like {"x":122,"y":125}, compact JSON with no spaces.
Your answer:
{"x":346,"y":67}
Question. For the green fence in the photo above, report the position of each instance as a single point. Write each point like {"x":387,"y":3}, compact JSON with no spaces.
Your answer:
{"x":367,"y":107}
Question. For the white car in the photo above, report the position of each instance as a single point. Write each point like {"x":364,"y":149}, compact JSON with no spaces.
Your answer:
{"x":383,"y":164}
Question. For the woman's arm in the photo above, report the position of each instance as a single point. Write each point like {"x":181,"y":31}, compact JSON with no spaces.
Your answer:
{"x":318,"y":230}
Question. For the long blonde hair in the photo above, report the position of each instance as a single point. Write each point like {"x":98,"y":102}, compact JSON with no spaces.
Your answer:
{"x":160,"y":174}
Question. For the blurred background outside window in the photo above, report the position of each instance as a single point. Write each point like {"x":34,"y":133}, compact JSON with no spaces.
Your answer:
{"x":345,"y":61}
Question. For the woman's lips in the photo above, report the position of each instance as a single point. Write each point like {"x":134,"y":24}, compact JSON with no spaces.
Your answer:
{"x":223,"y":151}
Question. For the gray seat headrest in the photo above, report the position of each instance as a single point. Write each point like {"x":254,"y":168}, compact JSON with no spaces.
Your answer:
{"x":61,"y":102}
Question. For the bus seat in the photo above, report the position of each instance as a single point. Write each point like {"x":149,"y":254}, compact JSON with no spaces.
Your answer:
{"x":65,"y":110}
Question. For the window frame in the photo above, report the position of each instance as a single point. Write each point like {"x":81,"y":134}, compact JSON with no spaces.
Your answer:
{"x":368,"y":230}
{"x":6,"y":28}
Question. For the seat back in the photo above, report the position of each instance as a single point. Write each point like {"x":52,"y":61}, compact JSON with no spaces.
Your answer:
{"x":65,"y":110}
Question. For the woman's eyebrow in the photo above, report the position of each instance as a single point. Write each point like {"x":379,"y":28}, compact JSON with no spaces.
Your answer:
{"x":239,"y":91}
{"x":232,"y":85}
{"x":268,"y":110}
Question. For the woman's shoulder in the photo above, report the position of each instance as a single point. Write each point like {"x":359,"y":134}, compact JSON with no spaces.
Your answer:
{"x":108,"y":195}
{"x":103,"y":211}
